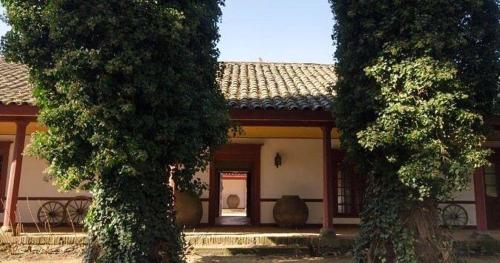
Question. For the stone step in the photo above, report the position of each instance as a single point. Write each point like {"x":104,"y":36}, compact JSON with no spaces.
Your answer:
{"x":252,"y":250}
{"x":193,"y":239}
{"x":250,"y":240}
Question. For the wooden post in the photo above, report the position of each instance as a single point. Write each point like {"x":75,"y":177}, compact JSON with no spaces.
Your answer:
{"x":480,"y":197}
{"x":328,"y":187}
{"x":213,"y":193}
{"x":14,"y":178}
{"x":4,"y":158}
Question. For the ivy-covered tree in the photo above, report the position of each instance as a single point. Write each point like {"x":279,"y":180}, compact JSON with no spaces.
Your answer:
{"x":126,"y":89}
{"x":415,"y":82}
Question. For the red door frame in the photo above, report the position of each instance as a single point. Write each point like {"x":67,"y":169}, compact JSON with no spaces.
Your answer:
{"x":493,"y":203}
{"x":4,"y":153}
{"x":480,"y":200}
{"x":248,"y":153}
{"x":487,"y":215}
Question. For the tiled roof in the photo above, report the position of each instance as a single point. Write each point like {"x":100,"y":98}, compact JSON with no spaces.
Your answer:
{"x":246,"y":85}
{"x":280,"y":86}
{"x":14,"y":87}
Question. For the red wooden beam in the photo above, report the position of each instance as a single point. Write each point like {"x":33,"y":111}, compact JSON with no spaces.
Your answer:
{"x":18,"y":118}
{"x":18,"y":110}
{"x":15,"y":177}
{"x":295,"y":118}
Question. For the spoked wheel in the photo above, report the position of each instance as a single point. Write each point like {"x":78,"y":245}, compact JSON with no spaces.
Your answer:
{"x":52,"y":213}
{"x":454,"y":215}
{"x":76,"y":210}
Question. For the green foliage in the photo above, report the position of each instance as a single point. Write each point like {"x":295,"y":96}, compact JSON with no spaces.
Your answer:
{"x":185,"y":181}
{"x":423,"y":127}
{"x":416,"y":79}
{"x":126,"y":88}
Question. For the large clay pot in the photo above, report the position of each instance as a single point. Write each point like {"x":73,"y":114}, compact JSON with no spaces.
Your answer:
{"x":290,"y":211}
{"x":188,"y":209}
{"x":233,"y":201}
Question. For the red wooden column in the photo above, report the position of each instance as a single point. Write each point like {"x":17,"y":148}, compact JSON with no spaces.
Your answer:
{"x":328,"y":187}
{"x":213,"y":193}
{"x":480,"y":197}
{"x":15,"y":177}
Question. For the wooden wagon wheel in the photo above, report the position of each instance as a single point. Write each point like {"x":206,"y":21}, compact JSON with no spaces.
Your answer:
{"x":76,"y":210}
{"x":51,"y":212}
{"x":454,"y":215}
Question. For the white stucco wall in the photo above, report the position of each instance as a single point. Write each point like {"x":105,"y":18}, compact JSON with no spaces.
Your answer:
{"x":34,"y":184}
{"x":236,"y":187}
{"x":466,"y":196}
{"x":205,"y":177}
{"x":300,"y":174}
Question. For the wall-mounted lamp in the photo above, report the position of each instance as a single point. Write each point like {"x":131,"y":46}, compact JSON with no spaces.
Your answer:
{"x":277,"y":160}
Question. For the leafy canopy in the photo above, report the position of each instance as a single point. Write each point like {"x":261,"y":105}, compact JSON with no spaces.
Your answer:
{"x":120,"y":83}
{"x":126,"y":89}
{"x":416,"y":80}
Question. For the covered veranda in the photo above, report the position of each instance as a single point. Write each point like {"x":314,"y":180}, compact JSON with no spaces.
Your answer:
{"x":270,"y":101}
{"x":20,"y":121}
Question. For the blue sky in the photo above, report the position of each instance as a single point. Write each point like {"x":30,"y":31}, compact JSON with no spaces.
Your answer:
{"x":274,"y":31}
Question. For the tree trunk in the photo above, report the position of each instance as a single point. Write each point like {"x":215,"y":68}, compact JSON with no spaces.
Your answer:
{"x":431,"y":241}
{"x":397,"y":229}
{"x":132,"y":220}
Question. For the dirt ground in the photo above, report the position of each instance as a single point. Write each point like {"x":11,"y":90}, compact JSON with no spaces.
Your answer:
{"x":193,"y":259}
{"x":234,"y":259}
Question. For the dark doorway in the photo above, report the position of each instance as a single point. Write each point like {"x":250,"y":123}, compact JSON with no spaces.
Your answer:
{"x":234,"y":195}
{"x":239,"y":162}
{"x":492,"y":190}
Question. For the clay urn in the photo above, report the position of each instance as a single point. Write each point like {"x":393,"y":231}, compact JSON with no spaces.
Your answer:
{"x":233,"y":201}
{"x":290,"y":211}
{"x":188,"y":209}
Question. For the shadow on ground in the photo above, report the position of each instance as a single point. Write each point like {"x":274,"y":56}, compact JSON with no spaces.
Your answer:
{"x":233,"y":259}
{"x":267,"y":259}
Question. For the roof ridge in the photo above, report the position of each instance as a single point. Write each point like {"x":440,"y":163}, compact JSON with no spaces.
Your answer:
{"x":275,"y":63}
{"x":2,"y":59}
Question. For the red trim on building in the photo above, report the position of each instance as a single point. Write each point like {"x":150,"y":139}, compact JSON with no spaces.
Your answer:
{"x":307,"y":200}
{"x":53,"y":198}
{"x":18,"y":110}
{"x":236,"y":175}
{"x":296,"y":118}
